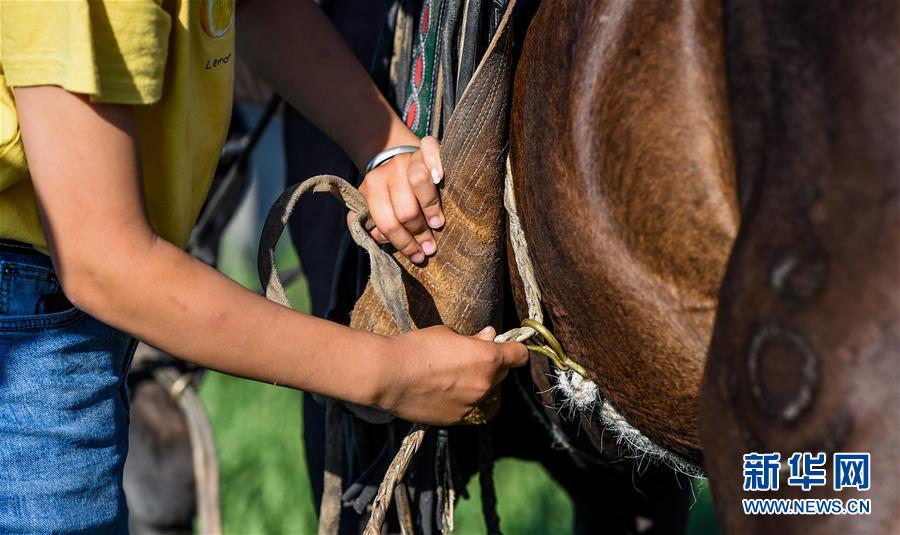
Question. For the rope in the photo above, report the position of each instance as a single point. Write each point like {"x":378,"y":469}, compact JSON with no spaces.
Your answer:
{"x":444,"y":491}
{"x":330,"y":507}
{"x":404,"y":512}
{"x":386,"y":278}
{"x":395,"y":472}
{"x":387,"y":281}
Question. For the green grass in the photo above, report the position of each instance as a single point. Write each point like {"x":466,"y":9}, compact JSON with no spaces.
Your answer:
{"x":263,"y":478}
{"x":528,"y":501}
{"x":263,"y":482}
{"x":265,"y":486}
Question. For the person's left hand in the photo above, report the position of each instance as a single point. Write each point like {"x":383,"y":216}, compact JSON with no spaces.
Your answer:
{"x":404,"y":201}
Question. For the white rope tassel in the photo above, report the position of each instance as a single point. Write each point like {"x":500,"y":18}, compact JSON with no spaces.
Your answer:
{"x":579,"y":393}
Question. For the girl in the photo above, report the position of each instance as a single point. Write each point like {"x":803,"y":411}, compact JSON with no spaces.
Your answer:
{"x":112,"y":115}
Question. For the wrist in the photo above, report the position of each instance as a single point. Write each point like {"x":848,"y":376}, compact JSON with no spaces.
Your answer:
{"x":387,"y":155}
{"x":399,"y":135}
{"x":379,"y":389}
{"x":387,"y":386}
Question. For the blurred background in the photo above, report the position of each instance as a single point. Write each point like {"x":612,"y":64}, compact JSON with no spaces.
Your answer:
{"x":258,"y":429}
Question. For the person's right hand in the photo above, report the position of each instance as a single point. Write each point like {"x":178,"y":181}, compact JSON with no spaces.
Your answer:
{"x":437,"y":376}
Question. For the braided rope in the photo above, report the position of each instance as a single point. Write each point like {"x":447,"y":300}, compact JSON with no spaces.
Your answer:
{"x":395,"y":472}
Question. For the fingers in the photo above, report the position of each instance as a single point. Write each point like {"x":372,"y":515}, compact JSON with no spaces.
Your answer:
{"x":431,"y":153}
{"x":513,"y":354}
{"x":487,"y":334}
{"x":378,"y":236}
{"x":425,"y":190}
{"x":386,"y":217}
{"x":405,"y":203}
{"x":409,"y":214}
{"x":375,"y":233}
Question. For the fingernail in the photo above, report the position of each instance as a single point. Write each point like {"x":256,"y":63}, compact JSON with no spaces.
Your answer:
{"x":429,"y":247}
{"x":417,"y":258}
{"x":435,"y":176}
{"x":485,"y":330}
{"x":435,"y":221}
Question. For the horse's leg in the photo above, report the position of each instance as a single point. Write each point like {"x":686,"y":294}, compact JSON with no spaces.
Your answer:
{"x":653,"y":501}
{"x":159,"y":475}
{"x":805,"y":351}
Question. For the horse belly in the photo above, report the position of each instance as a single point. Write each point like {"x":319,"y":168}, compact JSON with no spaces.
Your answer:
{"x":624,"y":178}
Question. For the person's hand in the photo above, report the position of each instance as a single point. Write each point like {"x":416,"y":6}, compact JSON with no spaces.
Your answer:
{"x":404,"y":202}
{"x":437,"y":376}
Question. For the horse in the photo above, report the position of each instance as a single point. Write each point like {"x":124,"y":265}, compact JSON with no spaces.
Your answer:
{"x":622,"y":122}
{"x":666,"y":128}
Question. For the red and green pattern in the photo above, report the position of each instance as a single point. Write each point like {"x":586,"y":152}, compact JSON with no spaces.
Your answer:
{"x":417,"y":111}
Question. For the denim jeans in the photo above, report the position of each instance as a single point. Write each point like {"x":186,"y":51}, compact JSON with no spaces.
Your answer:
{"x":63,"y":406}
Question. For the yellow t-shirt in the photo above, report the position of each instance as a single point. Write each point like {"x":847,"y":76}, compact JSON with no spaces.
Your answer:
{"x":172,"y":59}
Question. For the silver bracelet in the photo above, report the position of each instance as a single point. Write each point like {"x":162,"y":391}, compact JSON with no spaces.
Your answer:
{"x":382,"y":157}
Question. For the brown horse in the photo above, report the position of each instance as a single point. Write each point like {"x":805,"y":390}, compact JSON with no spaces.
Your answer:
{"x":624,"y":177}
{"x":630,"y":153}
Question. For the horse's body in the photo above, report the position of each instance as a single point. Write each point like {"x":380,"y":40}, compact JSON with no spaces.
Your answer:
{"x":624,"y":177}
{"x":622,"y":138}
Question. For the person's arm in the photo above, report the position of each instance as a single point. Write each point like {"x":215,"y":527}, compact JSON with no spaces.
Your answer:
{"x":294,"y":47}
{"x":83,"y":160}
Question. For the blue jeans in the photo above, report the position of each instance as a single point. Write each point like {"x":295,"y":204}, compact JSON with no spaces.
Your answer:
{"x":63,"y":406}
